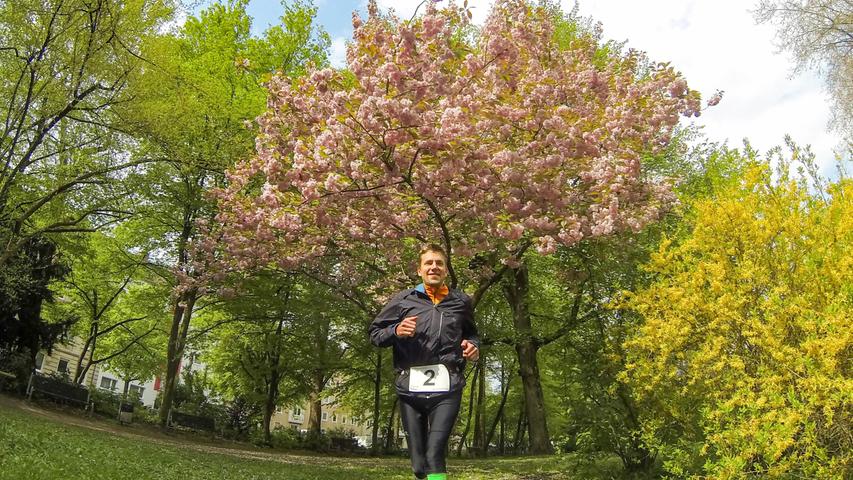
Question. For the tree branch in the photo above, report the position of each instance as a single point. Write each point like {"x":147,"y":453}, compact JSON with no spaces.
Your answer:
{"x":120,"y":324}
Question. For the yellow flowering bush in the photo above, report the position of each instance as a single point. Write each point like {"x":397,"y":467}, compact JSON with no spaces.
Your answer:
{"x":742,"y":363}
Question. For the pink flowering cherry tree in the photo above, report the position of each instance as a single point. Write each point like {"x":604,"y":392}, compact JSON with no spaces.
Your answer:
{"x":487,"y":143}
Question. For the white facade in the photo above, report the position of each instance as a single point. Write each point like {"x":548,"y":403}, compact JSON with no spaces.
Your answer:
{"x":109,"y":381}
{"x":63,"y":360}
{"x":149,"y":389}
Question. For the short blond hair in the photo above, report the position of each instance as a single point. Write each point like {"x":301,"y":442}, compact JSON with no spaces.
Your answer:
{"x":431,"y":247}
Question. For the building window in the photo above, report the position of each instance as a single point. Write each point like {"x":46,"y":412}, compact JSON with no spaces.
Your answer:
{"x":62,"y":367}
{"x":39,"y":360}
{"x":334,"y":417}
{"x":136,"y":390}
{"x":325,"y":416}
{"x":343,"y":419}
{"x":108,"y":383}
{"x":297,"y":411}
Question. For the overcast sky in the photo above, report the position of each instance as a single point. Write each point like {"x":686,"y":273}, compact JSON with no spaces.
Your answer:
{"x":714,"y":43}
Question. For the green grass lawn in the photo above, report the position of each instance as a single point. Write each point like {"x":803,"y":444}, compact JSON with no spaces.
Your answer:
{"x":36,"y":444}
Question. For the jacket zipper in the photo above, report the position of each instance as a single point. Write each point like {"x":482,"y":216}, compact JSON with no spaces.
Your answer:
{"x":440,"y":325}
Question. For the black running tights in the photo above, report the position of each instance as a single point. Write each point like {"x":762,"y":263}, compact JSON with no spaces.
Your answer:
{"x":428,"y":422}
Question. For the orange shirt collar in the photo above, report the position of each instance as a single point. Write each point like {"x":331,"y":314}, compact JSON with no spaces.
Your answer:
{"x":437,"y":294}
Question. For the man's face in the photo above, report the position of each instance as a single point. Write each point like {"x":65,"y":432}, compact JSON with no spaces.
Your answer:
{"x":433,"y":269}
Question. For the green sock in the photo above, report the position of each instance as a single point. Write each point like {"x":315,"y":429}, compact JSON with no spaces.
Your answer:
{"x":436,"y":476}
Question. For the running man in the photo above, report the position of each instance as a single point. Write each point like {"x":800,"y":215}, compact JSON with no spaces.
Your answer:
{"x":432,"y":331}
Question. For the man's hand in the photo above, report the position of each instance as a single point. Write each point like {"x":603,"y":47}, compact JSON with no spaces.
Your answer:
{"x":470,"y":351}
{"x":406,"y":328}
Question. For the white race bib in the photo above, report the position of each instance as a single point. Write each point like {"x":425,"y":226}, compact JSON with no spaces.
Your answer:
{"x":429,"y":378}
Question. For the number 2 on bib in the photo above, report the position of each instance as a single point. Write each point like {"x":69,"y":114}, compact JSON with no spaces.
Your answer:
{"x":429,"y":378}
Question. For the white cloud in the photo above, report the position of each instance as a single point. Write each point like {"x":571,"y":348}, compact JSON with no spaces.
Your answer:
{"x":717,"y":45}
{"x":338,"y":53}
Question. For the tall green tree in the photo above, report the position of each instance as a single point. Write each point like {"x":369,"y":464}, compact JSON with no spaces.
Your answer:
{"x":24,"y":290}
{"x":66,"y":66}
{"x":279,"y":344}
{"x":200,"y":96}
{"x":92,"y":291}
{"x":251,"y":353}
{"x":138,"y":354}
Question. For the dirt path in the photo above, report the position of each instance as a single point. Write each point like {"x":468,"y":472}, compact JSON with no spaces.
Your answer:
{"x":150,"y":434}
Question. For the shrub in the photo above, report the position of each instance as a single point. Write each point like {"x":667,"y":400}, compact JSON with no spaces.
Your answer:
{"x":743,"y":365}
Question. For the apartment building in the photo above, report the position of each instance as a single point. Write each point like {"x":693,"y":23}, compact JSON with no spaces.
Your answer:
{"x":62,"y":360}
{"x":332,"y":417}
{"x":149,"y":389}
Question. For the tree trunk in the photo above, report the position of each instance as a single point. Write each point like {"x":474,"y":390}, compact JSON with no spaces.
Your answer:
{"x":80,"y":372}
{"x":526,"y":348}
{"x":315,"y":398}
{"x":172,"y":362}
{"x":274,"y":378}
{"x":520,"y":430}
{"x":315,"y":409}
{"x":398,"y":424}
{"x":88,"y":349}
{"x":269,"y":406}
{"x":470,"y":412}
{"x":91,"y":356}
{"x":500,"y":414}
{"x":318,"y":374}
{"x":181,"y":316}
{"x":377,"y":403}
{"x":534,"y":401}
{"x":502,"y":441}
{"x":505,"y":383}
{"x":480,"y":446}
{"x":389,"y":437}
{"x":126,"y":389}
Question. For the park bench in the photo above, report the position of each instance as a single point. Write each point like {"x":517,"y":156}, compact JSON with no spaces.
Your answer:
{"x":193,"y":422}
{"x":5,"y":377}
{"x":59,"y":389}
{"x":344,"y":444}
